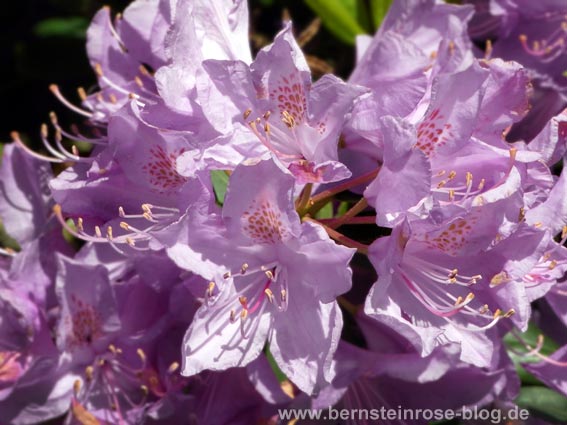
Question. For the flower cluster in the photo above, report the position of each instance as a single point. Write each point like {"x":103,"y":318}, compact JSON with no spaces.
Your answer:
{"x":242,"y":238}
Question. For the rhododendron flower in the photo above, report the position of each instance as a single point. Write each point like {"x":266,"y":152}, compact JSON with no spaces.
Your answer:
{"x":269,"y":272}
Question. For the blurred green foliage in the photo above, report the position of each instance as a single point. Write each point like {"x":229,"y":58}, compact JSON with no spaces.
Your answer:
{"x":348,"y":18}
{"x":43,"y":42}
{"x":71,"y":27}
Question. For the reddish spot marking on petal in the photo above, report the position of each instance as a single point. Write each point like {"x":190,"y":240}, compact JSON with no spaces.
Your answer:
{"x":290,"y":96}
{"x":304,"y":171}
{"x":433,"y":133}
{"x":262,"y":223}
{"x":162,"y":169}
{"x":86,"y":323}
{"x":452,"y":239}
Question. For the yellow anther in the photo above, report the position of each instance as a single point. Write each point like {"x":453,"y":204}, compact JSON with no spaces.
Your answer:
{"x":98,"y":70}
{"x":141,"y":354}
{"x":499,"y":279}
{"x":269,"y":294}
{"x":89,"y":373}
{"x":82,"y":93}
{"x":173,"y":367}
{"x":145,"y":390}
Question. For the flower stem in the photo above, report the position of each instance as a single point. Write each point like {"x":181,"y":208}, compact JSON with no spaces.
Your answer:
{"x":302,"y":203}
{"x":367,"y":219}
{"x":318,"y":201}
{"x":351,"y":213}
{"x":339,"y":237}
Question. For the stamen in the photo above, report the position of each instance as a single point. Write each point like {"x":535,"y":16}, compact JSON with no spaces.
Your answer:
{"x":55,"y":90}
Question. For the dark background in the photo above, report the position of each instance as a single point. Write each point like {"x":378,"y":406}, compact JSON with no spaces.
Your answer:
{"x":43,"y":42}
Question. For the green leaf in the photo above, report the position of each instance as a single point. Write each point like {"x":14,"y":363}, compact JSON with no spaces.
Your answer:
{"x":276,"y":369}
{"x":378,"y":9}
{"x":219,"y":179}
{"x":326,"y":211}
{"x":363,"y":16}
{"x":339,"y":16}
{"x":343,"y":208}
{"x":6,"y":241}
{"x":71,"y":27}
{"x":543,"y":401}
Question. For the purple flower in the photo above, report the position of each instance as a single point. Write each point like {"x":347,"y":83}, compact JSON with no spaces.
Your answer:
{"x":200,"y":30}
{"x":453,"y":280}
{"x":462,"y":126}
{"x":25,"y":197}
{"x":389,"y":369}
{"x":533,"y":34}
{"x":271,"y":106}
{"x":274,"y":279}
{"x":552,"y":370}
